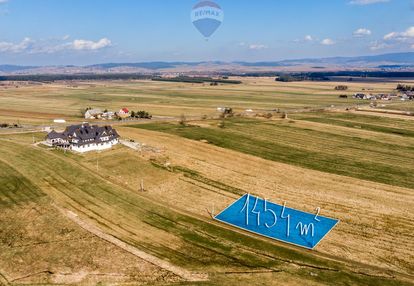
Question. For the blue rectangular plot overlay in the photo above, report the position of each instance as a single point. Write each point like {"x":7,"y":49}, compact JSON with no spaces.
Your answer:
{"x":278,"y":222}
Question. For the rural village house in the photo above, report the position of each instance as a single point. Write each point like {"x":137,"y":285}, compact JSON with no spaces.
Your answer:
{"x":123,"y":113}
{"x":84,"y":138}
{"x":93,"y":114}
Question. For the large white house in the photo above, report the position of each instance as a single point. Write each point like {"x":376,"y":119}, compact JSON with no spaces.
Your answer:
{"x":84,"y":138}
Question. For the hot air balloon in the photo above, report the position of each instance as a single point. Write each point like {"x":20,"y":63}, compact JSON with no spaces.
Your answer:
{"x":207,"y":17}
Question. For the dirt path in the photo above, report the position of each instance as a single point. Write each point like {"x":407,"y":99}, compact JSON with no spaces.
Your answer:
{"x":187,"y":275}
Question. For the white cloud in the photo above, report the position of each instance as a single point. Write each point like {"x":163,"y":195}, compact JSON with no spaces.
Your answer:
{"x":390,"y":36}
{"x":375,"y":46}
{"x":362,"y":32}
{"x":86,"y":45}
{"x":65,"y":37}
{"x":3,"y":1}
{"x":406,"y":36}
{"x":367,"y":2}
{"x":24,"y":45}
{"x":257,"y":47}
{"x":308,"y":38}
{"x":30,"y":46}
{"x":327,"y":42}
{"x":395,"y":39}
{"x":400,"y":35}
{"x":412,"y":46}
{"x":409,"y":32}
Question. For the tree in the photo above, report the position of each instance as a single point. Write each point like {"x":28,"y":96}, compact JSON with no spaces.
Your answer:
{"x":133,"y":114}
{"x":403,"y":88}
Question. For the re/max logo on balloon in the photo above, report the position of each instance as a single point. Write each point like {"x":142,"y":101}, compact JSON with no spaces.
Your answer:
{"x":206,"y":13}
{"x":207,"y":17}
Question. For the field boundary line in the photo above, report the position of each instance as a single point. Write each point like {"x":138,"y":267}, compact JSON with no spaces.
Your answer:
{"x":185,"y":274}
{"x":3,"y":279}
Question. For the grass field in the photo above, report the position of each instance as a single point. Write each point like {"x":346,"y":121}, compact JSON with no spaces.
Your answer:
{"x":355,"y":166}
{"x":383,"y":160}
{"x":185,"y":240}
{"x":42,"y":103}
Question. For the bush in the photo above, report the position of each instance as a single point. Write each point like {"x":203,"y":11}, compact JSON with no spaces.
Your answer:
{"x":268,"y":115}
{"x":341,"y":87}
{"x":183,"y":120}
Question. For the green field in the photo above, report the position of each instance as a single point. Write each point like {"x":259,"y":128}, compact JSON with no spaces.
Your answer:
{"x":383,"y":160}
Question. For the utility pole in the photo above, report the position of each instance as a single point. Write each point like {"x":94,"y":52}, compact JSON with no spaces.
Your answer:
{"x":142,"y":185}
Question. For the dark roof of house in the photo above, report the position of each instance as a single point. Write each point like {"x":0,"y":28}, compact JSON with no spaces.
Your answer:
{"x":55,"y":135}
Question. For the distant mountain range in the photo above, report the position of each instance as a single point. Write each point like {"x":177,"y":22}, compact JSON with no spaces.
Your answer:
{"x":394,"y":61}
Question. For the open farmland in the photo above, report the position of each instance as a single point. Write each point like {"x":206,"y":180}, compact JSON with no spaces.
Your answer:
{"x":186,"y":239}
{"x":387,"y":159}
{"x":357,"y":167}
{"x":40,"y":104}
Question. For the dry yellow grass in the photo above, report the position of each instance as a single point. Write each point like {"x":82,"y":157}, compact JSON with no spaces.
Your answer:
{"x":375,"y":218}
{"x":43,"y":103}
{"x":376,"y":227}
{"x":39,"y":245}
{"x":119,"y":210}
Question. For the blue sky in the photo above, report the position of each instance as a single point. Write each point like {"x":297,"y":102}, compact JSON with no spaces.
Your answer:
{"x":80,"y":32}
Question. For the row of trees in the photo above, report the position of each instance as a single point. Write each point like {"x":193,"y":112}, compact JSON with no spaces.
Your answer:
{"x":6,"y":125}
{"x":141,"y":114}
{"x":402,"y":87}
{"x":189,"y":79}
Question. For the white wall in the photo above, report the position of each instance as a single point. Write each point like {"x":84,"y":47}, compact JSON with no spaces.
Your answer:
{"x":95,"y":147}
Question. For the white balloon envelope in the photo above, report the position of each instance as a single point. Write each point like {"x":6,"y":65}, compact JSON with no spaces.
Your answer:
{"x":207,"y":17}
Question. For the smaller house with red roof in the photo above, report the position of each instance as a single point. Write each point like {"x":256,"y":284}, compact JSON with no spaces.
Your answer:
{"x":124,"y":113}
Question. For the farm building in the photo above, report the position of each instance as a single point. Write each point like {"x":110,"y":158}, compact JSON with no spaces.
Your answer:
{"x":84,"y":138}
{"x":93,"y":114}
